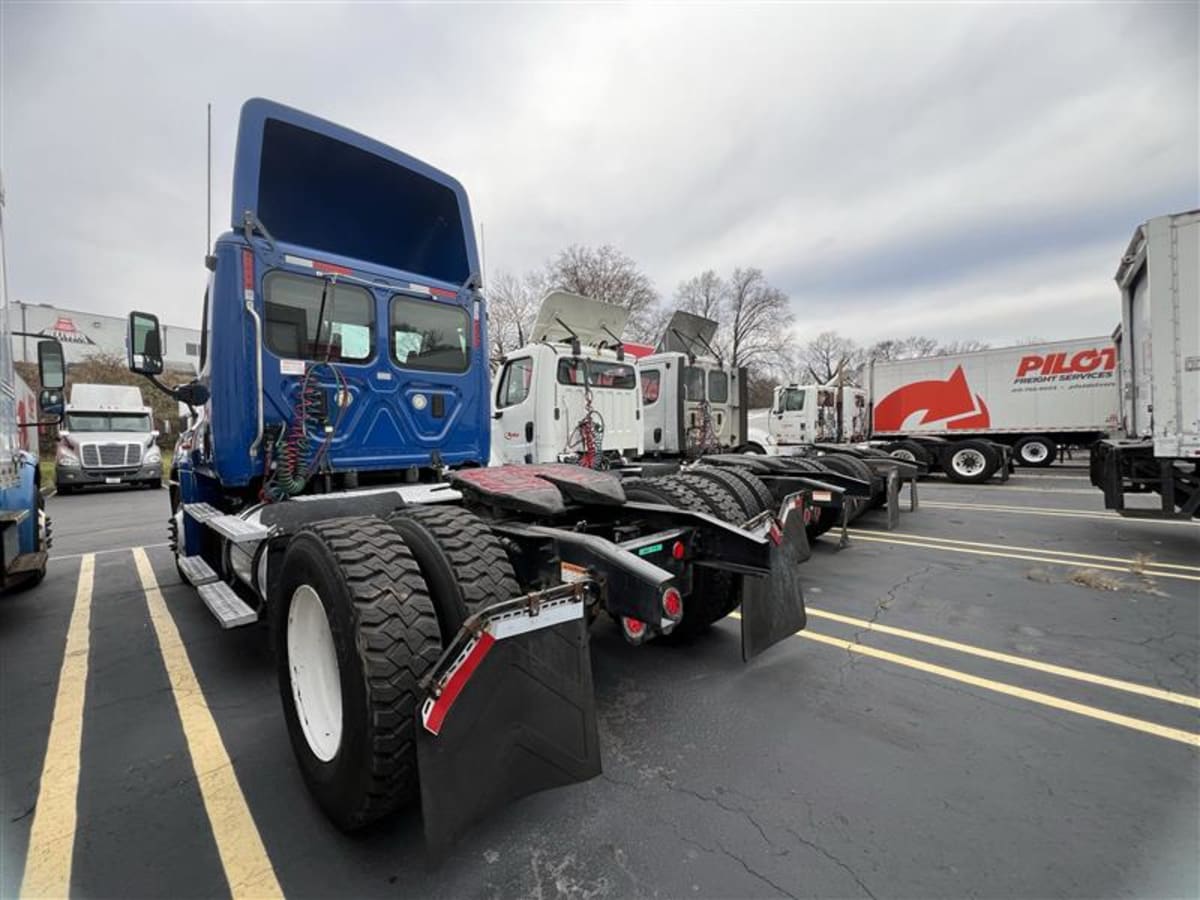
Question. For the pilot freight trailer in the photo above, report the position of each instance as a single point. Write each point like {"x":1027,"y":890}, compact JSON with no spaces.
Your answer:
{"x":1033,"y":398}
{"x":428,"y":611}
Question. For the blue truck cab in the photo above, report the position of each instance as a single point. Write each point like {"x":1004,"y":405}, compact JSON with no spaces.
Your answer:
{"x":24,"y":525}
{"x":428,"y":612}
{"x":391,"y":297}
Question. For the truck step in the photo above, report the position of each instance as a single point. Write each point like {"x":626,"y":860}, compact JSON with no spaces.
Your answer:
{"x":196,"y":570}
{"x":224,"y":603}
{"x":237,"y":529}
{"x":28,"y":562}
{"x":201,"y":512}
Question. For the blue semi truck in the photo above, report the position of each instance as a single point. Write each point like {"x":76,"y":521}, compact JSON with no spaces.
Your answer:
{"x":24,"y":525}
{"x":429,"y":613}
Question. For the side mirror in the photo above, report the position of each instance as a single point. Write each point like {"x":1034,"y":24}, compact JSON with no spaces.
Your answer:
{"x":144,"y":344}
{"x":52,"y":369}
{"x":51,"y":402}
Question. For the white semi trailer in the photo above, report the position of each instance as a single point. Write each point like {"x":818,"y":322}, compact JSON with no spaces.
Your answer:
{"x":1158,"y":349}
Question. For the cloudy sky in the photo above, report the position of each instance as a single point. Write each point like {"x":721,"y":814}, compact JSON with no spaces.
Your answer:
{"x":962,"y":171}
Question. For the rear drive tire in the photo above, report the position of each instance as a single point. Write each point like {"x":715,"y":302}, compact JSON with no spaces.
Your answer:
{"x":354,"y":632}
{"x":909,"y":451}
{"x":971,"y":462}
{"x":464,"y":565}
{"x":750,"y":492}
{"x":1036,"y":450}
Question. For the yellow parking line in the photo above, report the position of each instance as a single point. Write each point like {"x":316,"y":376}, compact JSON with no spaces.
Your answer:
{"x":247,"y":867}
{"x":1055,"y":513}
{"x":52,"y":835}
{"x":1147,"y":564}
{"x":1042,"y":559}
{"x":1190,"y":738}
{"x":1023,"y":661}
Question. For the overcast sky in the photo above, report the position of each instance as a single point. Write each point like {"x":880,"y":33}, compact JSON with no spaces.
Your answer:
{"x":969,"y":171}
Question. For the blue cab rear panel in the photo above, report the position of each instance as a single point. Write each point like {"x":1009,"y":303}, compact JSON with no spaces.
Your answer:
{"x":380,"y":247}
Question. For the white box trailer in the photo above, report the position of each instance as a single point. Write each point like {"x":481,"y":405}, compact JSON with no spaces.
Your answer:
{"x":1033,"y":398}
{"x":1158,"y":345}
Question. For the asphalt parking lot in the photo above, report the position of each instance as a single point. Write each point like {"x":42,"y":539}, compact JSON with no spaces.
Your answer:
{"x":1000,"y":698}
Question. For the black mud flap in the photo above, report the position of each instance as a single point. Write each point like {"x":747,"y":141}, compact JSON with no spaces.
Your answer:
{"x":516,"y":715}
{"x":773,"y":605}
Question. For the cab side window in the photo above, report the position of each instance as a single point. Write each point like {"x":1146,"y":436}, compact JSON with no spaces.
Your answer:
{"x":693,"y":383}
{"x":515,"y":382}
{"x":651,"y":386}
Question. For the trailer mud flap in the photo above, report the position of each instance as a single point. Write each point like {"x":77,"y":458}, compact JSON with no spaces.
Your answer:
{"x":513,"y":714}
{"x":773,"y":605}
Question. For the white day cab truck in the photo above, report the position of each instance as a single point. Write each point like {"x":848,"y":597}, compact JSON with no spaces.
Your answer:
{"x":1158,"y":348}
{"x":107,"y":437}
{"x":671,"y":425}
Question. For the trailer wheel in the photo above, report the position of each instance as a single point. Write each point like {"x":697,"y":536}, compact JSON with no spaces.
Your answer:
{"x":1036,"y":450}
{"x":464,"y":565}
{"x":909,"y":451}
{"x":715,"y":595}
{"x":971,"y":462}
{"x":751,"y":500}
{"x":354,"y":632}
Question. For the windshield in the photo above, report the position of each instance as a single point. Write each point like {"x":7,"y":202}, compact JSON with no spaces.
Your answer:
{"x":693,"y":383}
{"x":131,"y":422}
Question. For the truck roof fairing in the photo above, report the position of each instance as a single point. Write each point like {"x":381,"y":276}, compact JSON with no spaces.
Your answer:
{"x":564,"y":316}
{"x":687,"y":333}
{"x":314,"y":184}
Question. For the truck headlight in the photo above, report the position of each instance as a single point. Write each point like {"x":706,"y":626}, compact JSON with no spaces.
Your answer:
{"x":153,"y":455}
{"x":66,"y":459}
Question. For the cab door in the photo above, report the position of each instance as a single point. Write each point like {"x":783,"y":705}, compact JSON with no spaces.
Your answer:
{"x":788,"y":415}
{"x":513,"y":416}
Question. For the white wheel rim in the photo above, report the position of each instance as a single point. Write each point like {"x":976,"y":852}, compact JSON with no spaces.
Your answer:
{"x":967,"y":462}
{"x":1034,"y":452}
{"x":907,"y":455}
{"x":313,"y":667}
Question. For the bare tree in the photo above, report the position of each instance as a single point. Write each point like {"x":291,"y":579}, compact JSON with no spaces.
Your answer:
{"x":606,"y":274}
{"x":512,"y":308}
{"x":702,"y":295}
{"x":826,"y":356}
{"x":968,"y":346}
{"x":902,"y":348}
{"x":757,"y":319}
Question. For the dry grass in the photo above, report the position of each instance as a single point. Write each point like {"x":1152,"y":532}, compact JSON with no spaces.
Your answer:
{"x":1097,"y":579}
{"x":1141,"y":561}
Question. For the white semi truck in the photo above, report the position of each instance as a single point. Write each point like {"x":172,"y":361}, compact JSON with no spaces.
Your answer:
{"x":107,"y":437}
{"x":1158,"y":352}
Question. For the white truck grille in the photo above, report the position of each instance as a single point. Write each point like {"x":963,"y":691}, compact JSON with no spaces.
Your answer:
{"x":111,"y":456}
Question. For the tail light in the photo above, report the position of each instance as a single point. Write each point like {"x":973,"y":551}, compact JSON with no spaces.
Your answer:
{"x":672,"y":604}
{"x":635,"y":630}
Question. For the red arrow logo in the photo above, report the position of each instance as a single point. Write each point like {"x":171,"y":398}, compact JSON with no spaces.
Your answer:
{"x":939,"y":400}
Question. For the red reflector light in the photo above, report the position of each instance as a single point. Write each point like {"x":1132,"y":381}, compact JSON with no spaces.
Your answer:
{"x":247,"y":270}
{"x":776,"y":535}
{"x":672,"y":604}
{"x":677,"y":550}
{"x":330,"y":268}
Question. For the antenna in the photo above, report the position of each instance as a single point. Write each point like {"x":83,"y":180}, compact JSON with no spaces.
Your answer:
{"x":482,"y":252}
{"x":208,"y":191}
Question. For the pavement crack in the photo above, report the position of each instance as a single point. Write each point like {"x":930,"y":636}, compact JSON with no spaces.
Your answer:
{"x":813,"y":845}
